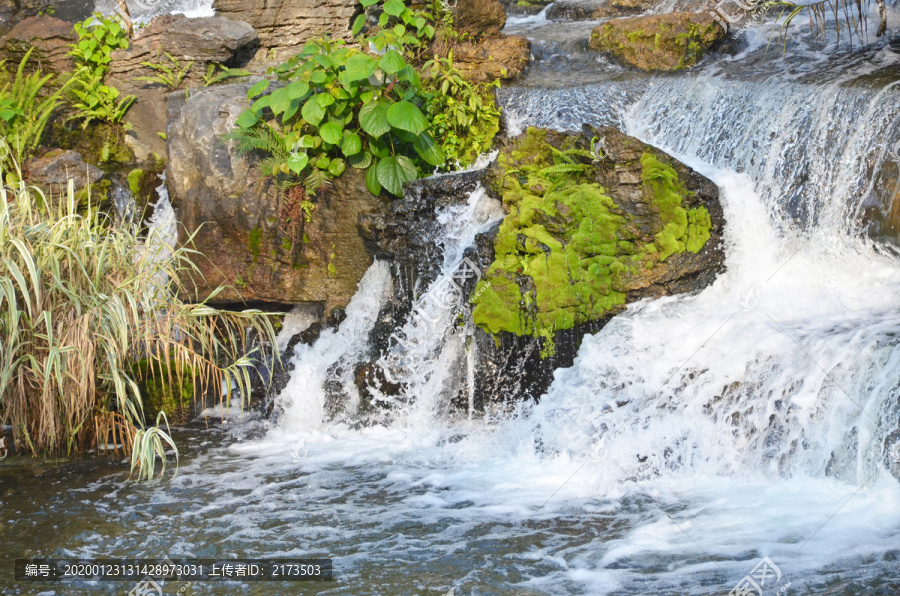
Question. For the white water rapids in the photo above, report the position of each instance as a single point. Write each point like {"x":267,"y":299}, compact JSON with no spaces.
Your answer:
{"x":693,"y":435}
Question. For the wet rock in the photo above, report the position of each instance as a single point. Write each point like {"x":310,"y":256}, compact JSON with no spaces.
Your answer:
{"x":201,"y":41}
{"x":582,"y":10}
{"x":284,"y":26}
{"x":56,"y":167}
{"x":658,"y":42}
{"x":242,"y":235}
{"x":50,"y":37}
{"x":525,"y":6}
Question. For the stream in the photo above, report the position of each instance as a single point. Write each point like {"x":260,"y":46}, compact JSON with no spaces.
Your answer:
{"x":692,"y":437}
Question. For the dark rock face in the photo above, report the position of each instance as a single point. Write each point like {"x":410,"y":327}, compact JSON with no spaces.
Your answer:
{"x":285,"y":25}
{"x":241,"y":233}
{"x":199,"y":40}
{"x":13,"y":12}
{"x":55,"y":168}
{"x":50,"y":37}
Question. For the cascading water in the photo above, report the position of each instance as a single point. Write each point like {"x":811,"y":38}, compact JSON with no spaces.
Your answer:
{"x":692,"y":436}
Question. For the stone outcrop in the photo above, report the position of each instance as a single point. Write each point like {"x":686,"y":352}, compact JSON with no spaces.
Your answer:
{"x":241,"y":234}
{"x":479,"y":18}
{"x":490,"y":59}
{"x":199,"y":40}
{"x":629,"y":223}
{"x":658,"y":42}
{"x":284,"y":25}
{"x":56,"y":167}
{"x":50,"y":37}
{"x":13,"y":12}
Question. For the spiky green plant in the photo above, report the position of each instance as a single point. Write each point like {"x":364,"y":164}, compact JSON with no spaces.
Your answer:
{"x":81,"y":303}
{"x":171,"y":75}
{"x":25,"y":109}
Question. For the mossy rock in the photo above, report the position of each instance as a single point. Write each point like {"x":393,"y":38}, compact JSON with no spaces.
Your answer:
{"x":571,"y":250}
{"x":658,"y":42}
{"x":165,"y":387}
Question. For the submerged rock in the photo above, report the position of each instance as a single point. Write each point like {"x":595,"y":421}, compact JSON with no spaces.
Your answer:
{"x":237,"y":220}
{"x":596,"y":221}
{"x":658,"y":42}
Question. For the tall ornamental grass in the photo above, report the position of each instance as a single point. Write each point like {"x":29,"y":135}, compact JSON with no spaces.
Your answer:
{"x":81,"y":303}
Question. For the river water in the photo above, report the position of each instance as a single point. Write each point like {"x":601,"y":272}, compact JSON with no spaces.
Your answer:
{"x":693,"y":436}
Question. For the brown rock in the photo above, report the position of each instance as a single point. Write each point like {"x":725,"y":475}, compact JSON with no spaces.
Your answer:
{"x":658,"y":42}
{"x":285,"y":25}
{"x":241,"y":235}
{"x":479,"y":18}
{"x":50,"y":37}
{"x":497,"y":58}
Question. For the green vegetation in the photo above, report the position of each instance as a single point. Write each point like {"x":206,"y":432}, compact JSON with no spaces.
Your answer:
{"x":170,"y":75}
{"x":98,"y":36}
{"x":87,"y":312}
{"x":565,"y":253}
{"x":219,"y":73}
{"x":342,"y":107}
{"x":26,"y":104}
{"x":463,"y":115}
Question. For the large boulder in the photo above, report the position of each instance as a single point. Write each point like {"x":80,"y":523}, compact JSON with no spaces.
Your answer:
{"x":201,"y":41}
{"x":495,"y":58}
{"x":50,"y":37}
{"x":235,"y":215}
{"x":658,"y":42}
{"x":56,"y":167}
{"x":284,"y":26}
{"x":613,"y":222}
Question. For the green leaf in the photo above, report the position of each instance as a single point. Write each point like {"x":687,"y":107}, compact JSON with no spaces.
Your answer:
{"x":373,"y":118}
{"x":358,"y":24}
{"x":297,"y":161}
{"x":331,"y":132}
{"x":279,"y":100}
{"x":247,"y":119}
{"x":394,"y":8}
{"x":312,"y":112}
{"x":306,"y":142}
{"x":358,"y":67}
{"x":262,"y":102}
{"x":395,"y":171}
{"x":429,"y":150}
{"x":368,"y":3}
{"x":392,"y":62}
{"x":324,"y":60}
{"x":337,"y":167}
{"x":351,"y":145}
{"x":257,"y":88}
{"x":406,"y":116}
{"x":325,"y":99}
{"x":361,"y":160}
{"x":372,"y":182}
{"x":318,"y":77}
{"x":297,"y":89}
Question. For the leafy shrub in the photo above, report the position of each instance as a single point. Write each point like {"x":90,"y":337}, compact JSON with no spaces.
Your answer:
{"x":25,"y":108}
{"x":98,"y":37}
{"x":463,"y":115}
{"x":81,"y":304}
{"x":341,"y":106}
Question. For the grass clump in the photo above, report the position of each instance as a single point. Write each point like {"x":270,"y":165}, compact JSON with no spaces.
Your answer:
{"x":88,"y":313}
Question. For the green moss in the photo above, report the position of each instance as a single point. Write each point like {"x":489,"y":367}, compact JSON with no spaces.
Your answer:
{"x":253,"y":240}
{"x":565,"y":250}
{"x":165,"y":388}
{"x":681,"y":230}
{"x":134,"y":181}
